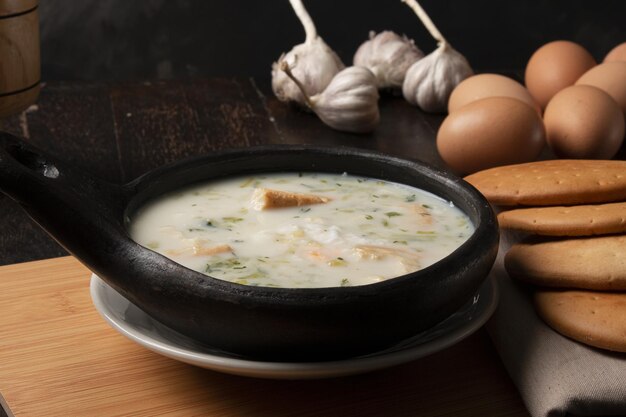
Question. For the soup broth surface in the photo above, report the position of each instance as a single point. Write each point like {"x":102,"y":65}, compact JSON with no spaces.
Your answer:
{"x":359,"y":231}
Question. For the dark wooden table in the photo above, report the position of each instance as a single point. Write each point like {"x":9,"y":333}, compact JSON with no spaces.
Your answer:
{"x":122,"y":130}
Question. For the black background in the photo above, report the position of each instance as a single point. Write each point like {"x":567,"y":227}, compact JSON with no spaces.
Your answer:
{"x":143,"y":39}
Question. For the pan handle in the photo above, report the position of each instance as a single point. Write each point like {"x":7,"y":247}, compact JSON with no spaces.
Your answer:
{"x":26,"y":170}
{"x":74,"y":207}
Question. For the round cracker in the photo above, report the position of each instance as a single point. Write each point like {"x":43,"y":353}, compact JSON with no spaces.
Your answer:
{"x":582,"y":220}
{"x":554,"y":182}
{"x":596,"y":263}
{"x":596,"y":319}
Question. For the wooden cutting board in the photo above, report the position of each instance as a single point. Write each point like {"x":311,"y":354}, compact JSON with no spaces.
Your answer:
{"x":59,"y":358}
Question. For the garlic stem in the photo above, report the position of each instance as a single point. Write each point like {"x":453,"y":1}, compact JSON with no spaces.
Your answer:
{"x":430,"y":26}
{"x":305,"y":19}
{"x":284,"y":66}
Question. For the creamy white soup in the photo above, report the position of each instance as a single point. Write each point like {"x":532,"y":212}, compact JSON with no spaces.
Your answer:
{"x":302,"y":230}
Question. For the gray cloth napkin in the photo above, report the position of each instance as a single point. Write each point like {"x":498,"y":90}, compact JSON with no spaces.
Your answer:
{"x":555,"y":376}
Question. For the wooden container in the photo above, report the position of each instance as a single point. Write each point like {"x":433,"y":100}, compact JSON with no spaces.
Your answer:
{"x":20,"y":72}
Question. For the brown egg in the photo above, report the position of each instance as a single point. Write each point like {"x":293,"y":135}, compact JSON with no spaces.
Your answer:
{"x":616,"y":54}
{"x":490,"y":132}
{"x":488,"y":85}
{"x":609,"y":77}
{"x":553,"y":67}
{"x":584,"y":122}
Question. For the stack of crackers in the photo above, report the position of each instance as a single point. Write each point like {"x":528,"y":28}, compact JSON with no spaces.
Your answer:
{"x":575,"y":251}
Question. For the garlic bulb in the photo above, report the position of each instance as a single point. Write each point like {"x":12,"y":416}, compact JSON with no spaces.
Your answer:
{"x":388,"y":55}
{"x":314,"y":63}
{"x":429,"y":82}
{"x":349,"y":103}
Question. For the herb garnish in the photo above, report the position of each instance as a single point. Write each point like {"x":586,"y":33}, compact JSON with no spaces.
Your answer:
{"x":232,"y":219}
{"x":337,"y":262}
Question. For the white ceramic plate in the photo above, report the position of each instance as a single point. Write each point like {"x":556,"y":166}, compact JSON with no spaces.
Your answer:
{"x":133,"y":323}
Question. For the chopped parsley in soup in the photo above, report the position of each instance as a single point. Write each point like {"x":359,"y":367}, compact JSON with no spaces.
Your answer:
{"x":302,"y":230}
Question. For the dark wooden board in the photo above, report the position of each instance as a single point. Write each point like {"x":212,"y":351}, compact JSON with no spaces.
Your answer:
{"x":118,"y":131}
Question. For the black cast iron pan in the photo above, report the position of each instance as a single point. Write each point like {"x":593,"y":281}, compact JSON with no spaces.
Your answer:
{"x":88,"y":217}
